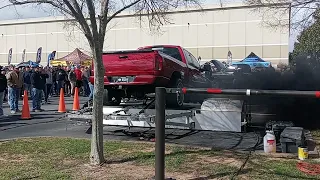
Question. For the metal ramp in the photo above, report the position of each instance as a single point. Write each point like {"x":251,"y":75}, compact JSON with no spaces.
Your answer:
{"x":213,"y":114}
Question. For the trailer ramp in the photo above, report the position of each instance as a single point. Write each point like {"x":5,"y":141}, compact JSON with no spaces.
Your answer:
{"x":213,"y":114}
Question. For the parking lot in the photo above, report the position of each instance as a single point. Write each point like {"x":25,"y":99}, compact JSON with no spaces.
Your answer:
{"x":51,"y":123}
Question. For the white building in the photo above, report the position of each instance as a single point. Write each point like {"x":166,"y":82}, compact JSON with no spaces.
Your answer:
{"x":209,"y":33}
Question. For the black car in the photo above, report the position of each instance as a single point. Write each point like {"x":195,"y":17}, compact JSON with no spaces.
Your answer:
{"x":224,"y":76}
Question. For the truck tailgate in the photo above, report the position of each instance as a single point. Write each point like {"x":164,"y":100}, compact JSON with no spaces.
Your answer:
{"x":129,"y":63}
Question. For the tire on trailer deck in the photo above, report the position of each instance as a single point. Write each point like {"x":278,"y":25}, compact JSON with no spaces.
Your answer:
{"x":107,"y":98}
{"x":174,"y":99}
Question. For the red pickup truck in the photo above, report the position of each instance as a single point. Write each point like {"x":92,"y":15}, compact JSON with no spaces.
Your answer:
{"x":137,"y":73}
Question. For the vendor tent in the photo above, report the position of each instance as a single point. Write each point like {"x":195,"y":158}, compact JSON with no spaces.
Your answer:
{"x":28,"y":63}
{"x":252,"y":57}
{"x":76,"y":57}
{"x":253,"y":61}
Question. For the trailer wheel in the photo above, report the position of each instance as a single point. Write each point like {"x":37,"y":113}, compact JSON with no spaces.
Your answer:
{"x":175,"y":99}
{"x":111,"y":98}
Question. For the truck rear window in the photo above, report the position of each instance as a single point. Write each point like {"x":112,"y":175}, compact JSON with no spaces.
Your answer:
{"x":173,"y":52}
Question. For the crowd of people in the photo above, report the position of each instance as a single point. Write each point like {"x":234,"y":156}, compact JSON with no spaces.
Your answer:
{"x":41,"y":83}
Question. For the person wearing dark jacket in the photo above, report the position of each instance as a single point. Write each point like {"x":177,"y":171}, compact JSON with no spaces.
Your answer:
{"x":60,"y":77}
{"x":3,"y":86}
{"x":54,"y":81}
{"x":44,"y":77}
{"x":38,"y":84}
{"x":26,"y":80}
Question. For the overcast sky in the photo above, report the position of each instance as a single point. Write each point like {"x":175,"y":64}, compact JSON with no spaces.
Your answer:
{"x":22,"y":12}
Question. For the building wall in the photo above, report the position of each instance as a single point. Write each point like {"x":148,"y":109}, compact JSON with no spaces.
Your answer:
{"x":210,"y":33}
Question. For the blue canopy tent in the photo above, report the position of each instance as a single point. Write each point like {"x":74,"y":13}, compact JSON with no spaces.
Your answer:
{"x":253,"y":61}
{"x":28,"y":63}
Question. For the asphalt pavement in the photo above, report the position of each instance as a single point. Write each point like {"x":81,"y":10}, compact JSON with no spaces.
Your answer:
{"x":52,"y":123}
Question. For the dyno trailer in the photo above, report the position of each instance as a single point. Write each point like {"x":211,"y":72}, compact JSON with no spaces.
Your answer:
{"x":219,"y":114}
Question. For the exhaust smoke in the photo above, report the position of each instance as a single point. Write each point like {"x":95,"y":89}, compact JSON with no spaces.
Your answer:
{"x":303,"y":74}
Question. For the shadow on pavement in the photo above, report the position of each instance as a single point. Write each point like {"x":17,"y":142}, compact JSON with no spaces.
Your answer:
{"x":8,"y":124}
{"x":11,"y":118}
{"x":216,"y":140}
{"x":24,"y":123}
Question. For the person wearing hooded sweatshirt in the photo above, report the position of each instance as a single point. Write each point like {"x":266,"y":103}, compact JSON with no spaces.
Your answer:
{"x":3,"y":86}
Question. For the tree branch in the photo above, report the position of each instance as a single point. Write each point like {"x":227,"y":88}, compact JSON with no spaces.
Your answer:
{"x":54,"y":4}
{"x":5,"y":6}
{"x":94,"y":29}
{"x":81,"y":20}
{"x":122,"y":9}
{"x":103,"y":20}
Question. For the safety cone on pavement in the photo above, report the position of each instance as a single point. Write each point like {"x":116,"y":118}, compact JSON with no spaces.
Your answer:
{"x":76,"y":103}
{"x":25,"y":115}
{"x":62,"y":105}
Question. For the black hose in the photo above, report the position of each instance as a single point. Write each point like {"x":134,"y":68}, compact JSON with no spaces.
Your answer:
{"x":247,"y":157}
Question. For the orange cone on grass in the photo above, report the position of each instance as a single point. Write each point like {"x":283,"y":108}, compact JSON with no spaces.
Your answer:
{"x":76,"y":103}
{"x":62,"y":105}
{"x":25,"y":107}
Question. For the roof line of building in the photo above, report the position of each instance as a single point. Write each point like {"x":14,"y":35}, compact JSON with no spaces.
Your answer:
{"x":206,"y":8}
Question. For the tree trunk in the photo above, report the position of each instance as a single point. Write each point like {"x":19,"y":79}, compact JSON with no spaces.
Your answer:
{"x":96,"y":155}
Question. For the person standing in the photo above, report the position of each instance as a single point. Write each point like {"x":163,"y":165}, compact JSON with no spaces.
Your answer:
{"x":67,"y":83}
{"x":3,"y":86}
{"x":20,"y":84}
{"x":49,"y":82}
{"x":37,"y":88}
{"x":85,"y":81}
{"x":78,"y":77}
{"x":54,"y":79}
{"x":5,"y":99}
{"x":44,"y":76}
{"x":73,"y":79}
{"x":26,"y":79}
{"x":14,"y":84}
{"x":60,"y":77}
{"x":21,"y":71}
{"x":90,"y":99}
{"x":91,"y":91}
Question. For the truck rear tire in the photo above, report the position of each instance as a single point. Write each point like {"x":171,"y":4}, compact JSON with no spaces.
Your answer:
{"x":111,"y":98}
{"x":175,"y":99}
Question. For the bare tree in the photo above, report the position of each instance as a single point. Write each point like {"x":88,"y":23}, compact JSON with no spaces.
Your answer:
{"x":92,"y":17}
{"x":301,"y":12}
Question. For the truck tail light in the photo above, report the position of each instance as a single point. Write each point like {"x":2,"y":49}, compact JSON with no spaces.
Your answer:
{"x":158,"y":63}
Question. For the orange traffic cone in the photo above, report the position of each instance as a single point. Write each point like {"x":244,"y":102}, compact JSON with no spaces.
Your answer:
{"x":76,"y":103}
{"x":25,"y":107}
{"x":62,"y":105}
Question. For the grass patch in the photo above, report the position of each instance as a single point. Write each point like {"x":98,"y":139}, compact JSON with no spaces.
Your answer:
{"x":262,"y":167}
{"x":66,"y":158}
{"x":315,"y":134}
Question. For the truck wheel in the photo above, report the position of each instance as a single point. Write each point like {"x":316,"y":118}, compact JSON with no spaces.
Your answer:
{"x":111,"y":98}
{"x":175,"y":99}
